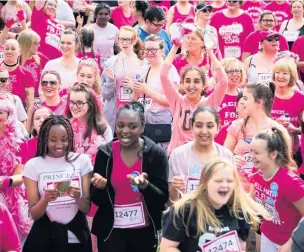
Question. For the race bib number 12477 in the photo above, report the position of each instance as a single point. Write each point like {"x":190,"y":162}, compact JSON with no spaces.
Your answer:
{"x":225,"y":243}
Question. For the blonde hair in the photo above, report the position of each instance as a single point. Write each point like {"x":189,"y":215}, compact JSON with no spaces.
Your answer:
{"x":26,"y":40}
{"x":226,"y":62}
{"x":289,"y":66}
{"x":241,"y":205}
{"x":92,"y":64}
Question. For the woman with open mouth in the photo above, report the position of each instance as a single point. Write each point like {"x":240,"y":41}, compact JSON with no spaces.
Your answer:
{"x":278,"y":187}
{"x":187,"y":161}
{"x":215,"y":215}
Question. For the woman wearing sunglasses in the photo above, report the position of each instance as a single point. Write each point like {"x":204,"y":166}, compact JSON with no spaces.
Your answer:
{"x":259,"y":66}
{"x":234,"y":25}
{"x":50,"y":86}
{"x":44,"y":22}
{"x":294,"y":27}
{"x":120,"y":70}
{"x":266,"y":22}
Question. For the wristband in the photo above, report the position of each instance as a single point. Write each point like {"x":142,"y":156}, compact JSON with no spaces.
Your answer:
{"x":21,"y":15}
{"x":9,"y":23}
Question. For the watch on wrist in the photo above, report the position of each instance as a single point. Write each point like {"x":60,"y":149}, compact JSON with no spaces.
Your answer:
{"x":10,"y":182}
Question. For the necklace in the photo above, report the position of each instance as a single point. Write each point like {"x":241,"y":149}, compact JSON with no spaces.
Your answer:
{"x":271,"y":174}
{"x":8,"y":65}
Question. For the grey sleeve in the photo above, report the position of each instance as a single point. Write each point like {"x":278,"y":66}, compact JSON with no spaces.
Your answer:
{"x":298,"y":238}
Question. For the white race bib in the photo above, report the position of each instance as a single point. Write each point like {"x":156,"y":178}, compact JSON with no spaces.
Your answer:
{"x":125,"y":94}
{"x":128,"y":216}
{"x":225,"y":243}
{"x":248,"y":166}
{"x":52,"y":40}
{"x":146,"y":102}
{"x":264,"y":77}
{"x":2,"y":198}
{"x":232,"y":51}
{"x":192,"y":183}
{"x":291,"y":35}
{"x":1,"y":55}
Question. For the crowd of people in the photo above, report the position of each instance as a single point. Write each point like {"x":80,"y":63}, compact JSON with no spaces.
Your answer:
{"x":151,"y":126}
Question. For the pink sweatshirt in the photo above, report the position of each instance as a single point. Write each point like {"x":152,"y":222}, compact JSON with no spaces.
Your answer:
{"x":182,"y":109}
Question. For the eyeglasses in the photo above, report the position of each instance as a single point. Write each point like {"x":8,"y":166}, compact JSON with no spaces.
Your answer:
{"x":122,"y":40}
{"x":233,"y":1}
{"x":79,"y":104}
{"x":151,"y":50}
{"x":272,"y":38}
{"x":268,"y":20}
{"x":52,"y":83}
{"x":158,"y":25}
{"x":235,"y":71}
{"x":3,"y":80}
{"x":205,"y":9}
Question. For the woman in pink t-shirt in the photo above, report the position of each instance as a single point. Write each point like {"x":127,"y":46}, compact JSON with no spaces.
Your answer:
{"x":258,"y":100}
{"x":281,"y":10}
{"x":21,"y":80}
{"x":233,"y":26}
{"x":252,"y":42}
{"x":122,"y":15}
{"x":227,"y":110}
{"x":193,"y":79}
{"x":11,"y":167}
{"x":120,"y":70}
{"x":254,"y":8}
{"x":30,"y":58}
{"x":9,"y":240}
{"x":44,"y":22}
{"x":288,"y":104}
{"x":277,"y":187}
{"x":50,"y":87}
{"x":181,"y":12}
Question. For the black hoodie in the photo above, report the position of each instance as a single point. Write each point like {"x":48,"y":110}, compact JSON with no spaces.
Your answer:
{"x":154,"y":163}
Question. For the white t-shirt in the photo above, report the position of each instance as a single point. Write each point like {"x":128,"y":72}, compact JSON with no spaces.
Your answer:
{"x":21,"y":113}
{"x":105,"y":39}
{"x":47,"y":171}
{"x":64,"y":12}
{"x":68,"y":76}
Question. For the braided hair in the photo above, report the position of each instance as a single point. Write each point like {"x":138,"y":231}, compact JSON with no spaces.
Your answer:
{"x":87,"y":40}
{"x":136,"y":107}
{"x":42,"y":148}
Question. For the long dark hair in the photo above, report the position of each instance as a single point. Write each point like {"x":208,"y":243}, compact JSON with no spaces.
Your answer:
{"x":95,"y":118}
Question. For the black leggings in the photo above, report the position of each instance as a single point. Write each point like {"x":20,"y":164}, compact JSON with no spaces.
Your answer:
{"x":129,"y":240}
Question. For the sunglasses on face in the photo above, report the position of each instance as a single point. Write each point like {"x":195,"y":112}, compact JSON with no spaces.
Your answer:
{"x":158,"y":25}
{"x":233,"y":1}
{"x":3,"y":80}
{"x":205,"y":9}
{"x":45,"y":83}
{"x":272,"y":38}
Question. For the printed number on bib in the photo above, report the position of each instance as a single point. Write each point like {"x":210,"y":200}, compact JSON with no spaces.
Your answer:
{"x":125,"y":94}
{"x":264,"y":77}
{"x":246,"y":168}
{"x":146,"y":102}
{"x":232,"y":51}
{"x":224,"y":243}
{"x":52,"y":40}
{"x":291,"y":35}
{"x":128,"y":216}
{"x":192,"y":183}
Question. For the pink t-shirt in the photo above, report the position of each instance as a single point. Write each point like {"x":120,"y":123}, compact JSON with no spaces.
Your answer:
{"x":281,"y":12}
{"x":9,"y":239}
{"x":49,"y":32}
{"x":90,"y":55}
{"x":215,"y":9}
{"x":31,"y":148}
{"x":125,"y":193}
{"x":227,"y":114}
{"x":232,"y":33}
{"x":36,"y":69}
{"x":254,"y":10}
{"x":251,"y":44}
{"x":243,"y":148}
{"x":180,"y":18}
{"x":278,"y":196}
{"x":59,"y":109}
{"x":164,"y":5}
{"x":119,"y":19}
{"x":20,"y":79}
{"x":301,"y":168}
{"x":182,"y":109}
{"x":297,"y":48}
{"x":180,"y":62}
{"x":282,"y":106}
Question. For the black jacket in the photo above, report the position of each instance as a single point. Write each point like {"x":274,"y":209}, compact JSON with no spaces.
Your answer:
{"x":154,"y":163}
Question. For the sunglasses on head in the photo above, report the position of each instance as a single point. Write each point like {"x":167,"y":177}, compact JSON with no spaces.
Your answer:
{"x":3,"y":80}
{"x":205,"y":9}
{"x":45,"y":83}
{"x":271,"y":38}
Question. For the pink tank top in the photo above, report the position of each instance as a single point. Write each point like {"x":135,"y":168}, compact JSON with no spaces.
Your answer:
{"x":180,"y":18}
